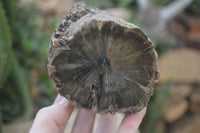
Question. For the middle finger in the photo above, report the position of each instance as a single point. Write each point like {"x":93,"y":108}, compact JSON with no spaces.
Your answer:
{"x":84,"y":122}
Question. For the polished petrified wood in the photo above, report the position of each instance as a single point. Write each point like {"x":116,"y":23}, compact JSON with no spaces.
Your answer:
{"x":102,"y":63}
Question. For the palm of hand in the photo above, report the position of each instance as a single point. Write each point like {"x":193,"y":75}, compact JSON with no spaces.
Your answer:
{"x":53,"y":119}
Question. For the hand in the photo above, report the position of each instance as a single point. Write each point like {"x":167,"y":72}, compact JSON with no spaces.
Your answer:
{"x":54,"y":118}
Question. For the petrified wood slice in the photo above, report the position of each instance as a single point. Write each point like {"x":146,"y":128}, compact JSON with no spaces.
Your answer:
{"x":102,"y":63}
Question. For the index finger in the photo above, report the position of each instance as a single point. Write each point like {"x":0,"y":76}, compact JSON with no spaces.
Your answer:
{"x":52,"y":119}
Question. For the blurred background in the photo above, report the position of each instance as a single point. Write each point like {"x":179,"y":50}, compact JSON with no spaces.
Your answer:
{"x":173,"y":26}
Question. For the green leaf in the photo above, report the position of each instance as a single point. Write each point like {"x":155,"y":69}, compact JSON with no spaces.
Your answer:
{"x":5,"y":47}
{"x":15,"y":99}
{"x":21,"y":89}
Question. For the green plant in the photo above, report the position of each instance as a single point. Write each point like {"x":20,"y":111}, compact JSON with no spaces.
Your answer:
{"x":5,"y":47}
{"x":15,"y":88}
{"x":104,"y":4}
{"x":1,"y":123}
{"x":161,"y":2}
{"x":18,"y":105}
{"x":28,"y":52}
{"x":127,"y":2}
{"x":154,"y":110}
{"x":194,"y":8}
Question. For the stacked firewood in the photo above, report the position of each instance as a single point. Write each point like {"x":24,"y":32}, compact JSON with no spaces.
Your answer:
{"x":182,"y":112}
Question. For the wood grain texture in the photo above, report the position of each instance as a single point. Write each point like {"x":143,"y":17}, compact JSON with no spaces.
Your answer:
{"x":102,"y":63}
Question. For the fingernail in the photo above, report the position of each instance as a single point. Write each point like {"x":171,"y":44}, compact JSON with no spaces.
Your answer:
{"x":63,"y":102}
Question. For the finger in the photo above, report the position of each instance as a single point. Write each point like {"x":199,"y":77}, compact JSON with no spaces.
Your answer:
{"x":84,"y":122}
{"x":107,"y":123}
{"x":131,"y":122}
{"x":52,"y":119}
{"x":58,"y":98}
